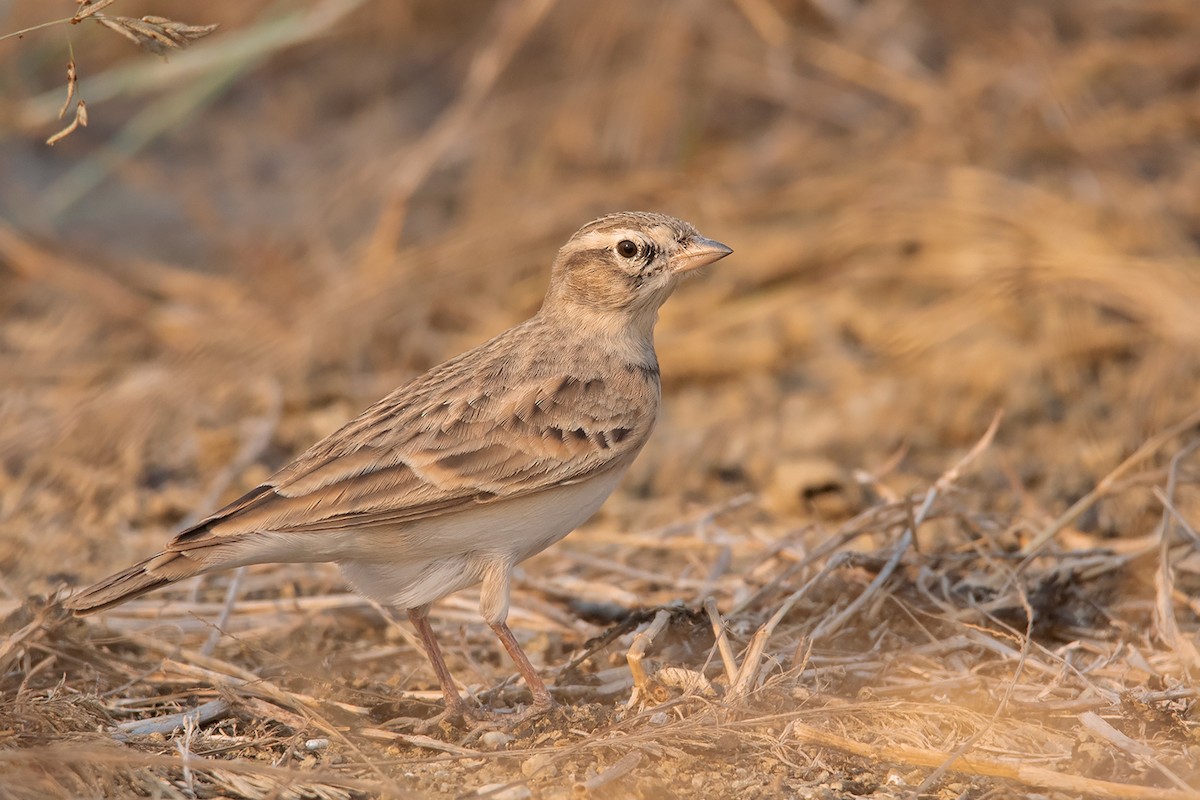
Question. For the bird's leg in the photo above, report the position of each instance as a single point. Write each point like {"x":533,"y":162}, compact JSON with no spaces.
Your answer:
{"x":455,"y":707}
{"x":542,"y":700}
{"x":493,"y":605}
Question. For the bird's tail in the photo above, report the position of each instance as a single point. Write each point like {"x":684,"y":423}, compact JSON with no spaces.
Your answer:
{"x":153,"y":573}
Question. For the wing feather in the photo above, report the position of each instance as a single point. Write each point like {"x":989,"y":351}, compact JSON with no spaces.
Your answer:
{"x":447,"y":442}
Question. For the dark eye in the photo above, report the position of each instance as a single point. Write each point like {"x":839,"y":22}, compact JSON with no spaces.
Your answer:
{"x":626,"y":248}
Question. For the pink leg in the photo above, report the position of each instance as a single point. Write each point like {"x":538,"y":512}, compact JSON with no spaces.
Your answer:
{"x":454,"y":704}
{"x":541,"y":695}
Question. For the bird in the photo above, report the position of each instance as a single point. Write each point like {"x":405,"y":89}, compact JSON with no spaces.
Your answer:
{"x":474,"y":466}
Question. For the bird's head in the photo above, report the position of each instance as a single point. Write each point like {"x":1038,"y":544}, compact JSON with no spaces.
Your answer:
{"x":627,"y":264}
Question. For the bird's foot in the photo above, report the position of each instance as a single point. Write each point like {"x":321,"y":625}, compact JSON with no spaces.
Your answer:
{"x":513,"y":722}
{"x":456,"y":717}
{"x":459,"y":717}
{"x":535,"y":711}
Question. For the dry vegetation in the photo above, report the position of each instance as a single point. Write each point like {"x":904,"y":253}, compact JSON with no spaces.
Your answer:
{"x":827,"y":577}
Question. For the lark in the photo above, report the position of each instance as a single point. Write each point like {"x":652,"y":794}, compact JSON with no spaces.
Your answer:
{"x":480,"y":463}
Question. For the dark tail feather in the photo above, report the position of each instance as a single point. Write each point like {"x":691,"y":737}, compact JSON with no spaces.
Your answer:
{"x":153,"y":573}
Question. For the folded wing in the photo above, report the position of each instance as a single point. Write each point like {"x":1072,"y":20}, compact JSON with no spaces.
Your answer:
{"x":410,"y":456}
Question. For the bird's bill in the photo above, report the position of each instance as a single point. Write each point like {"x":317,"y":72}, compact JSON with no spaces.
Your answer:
{"x":697,"y":252}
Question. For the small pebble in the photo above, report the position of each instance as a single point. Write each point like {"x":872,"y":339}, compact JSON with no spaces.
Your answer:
{"x":539,"y":765}
{"x":494,"y":740}
{"x":497,"y":791}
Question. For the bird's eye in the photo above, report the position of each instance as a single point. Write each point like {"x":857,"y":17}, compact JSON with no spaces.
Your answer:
{"x":626,"y":248}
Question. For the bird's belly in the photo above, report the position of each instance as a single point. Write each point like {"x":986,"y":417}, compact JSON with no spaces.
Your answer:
{"x":420,"y":562}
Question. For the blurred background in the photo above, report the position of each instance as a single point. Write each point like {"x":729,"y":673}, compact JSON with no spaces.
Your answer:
{"x":939,"y":210}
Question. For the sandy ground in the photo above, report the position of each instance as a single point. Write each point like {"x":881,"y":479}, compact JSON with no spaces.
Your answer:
{"x":919,"y":516}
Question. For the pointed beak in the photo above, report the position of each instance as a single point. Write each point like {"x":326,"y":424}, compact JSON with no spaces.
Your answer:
{"x":697,"y":252}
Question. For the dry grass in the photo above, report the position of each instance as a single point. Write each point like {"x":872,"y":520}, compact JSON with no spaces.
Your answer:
{"x":822,"y":579}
